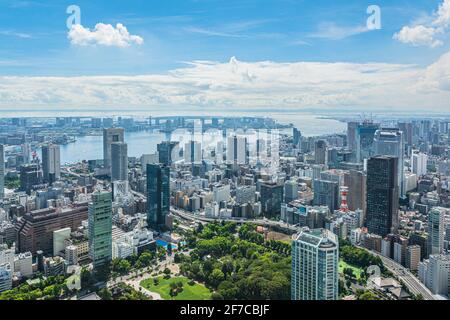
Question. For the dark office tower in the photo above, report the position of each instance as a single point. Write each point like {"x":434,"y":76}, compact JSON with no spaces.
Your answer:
{"x":351,"y":135}
{"x":365,"y":134}
{"x":158,"y":195}
{"x":326,"y":193}
{"x":51,"y":163}
{"x":271,"y":199}
{"x":40,"y":260}
{"x":30,"y":176}
{"x":110,"y":135}
{"x":356,"y":183}
{"x":119,"y":161}
{"x":320,"y":152}
{"x":382,"y":195}
{"x":165,"y":150}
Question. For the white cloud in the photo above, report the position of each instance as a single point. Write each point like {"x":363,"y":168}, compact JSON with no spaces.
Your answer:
{"x":427,"y":34}
{"x":442,"y":19}
{"x":103,"y":34}
{"x":249,"y":85}
{"x":418,"y":36}
{"x":332,"y":31}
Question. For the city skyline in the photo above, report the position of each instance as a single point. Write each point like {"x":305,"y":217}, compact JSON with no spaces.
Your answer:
{"x":232,"y":151}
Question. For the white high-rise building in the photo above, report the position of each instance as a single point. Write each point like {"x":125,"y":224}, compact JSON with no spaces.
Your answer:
{"x":315,"y":262}
{"x":7,"y":254}
{"x":110,"y":135}
{"x":51,"y":163}
{"x":435,"y":273}
{"x":237,"y":150}
{"x":221,"y":193}
{"x":148,"y":159}
{"x":23,"y":263}
{"x":192,"y":152}
{"x":419,"y":163}
{"x":219,"y":153}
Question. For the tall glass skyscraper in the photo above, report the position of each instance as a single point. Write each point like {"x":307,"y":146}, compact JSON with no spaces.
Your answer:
{"x":51,"y":163}
{"x":436,"y":230}
{"x":389,"y":142}
{"x":365,"y":134}
{"x":272,"y":196}
{"x":100,"y":228}
{"x":165,"y":150}
{"x":315,"y":263}
{"x":158,"y":195}
{"x":382,"y":195}
{"x":119,"y":161}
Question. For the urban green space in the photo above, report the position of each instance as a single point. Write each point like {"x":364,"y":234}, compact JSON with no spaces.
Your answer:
{"x":177,"y":288}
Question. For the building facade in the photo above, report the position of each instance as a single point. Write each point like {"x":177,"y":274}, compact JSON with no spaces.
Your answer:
{"x":382,"y":195}
{"x":158,"y":195}
{"x":100,"y":228}
{"x":315,"y":263}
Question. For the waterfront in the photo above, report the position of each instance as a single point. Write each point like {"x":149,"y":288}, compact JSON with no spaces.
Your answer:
{"x":144,"y":142}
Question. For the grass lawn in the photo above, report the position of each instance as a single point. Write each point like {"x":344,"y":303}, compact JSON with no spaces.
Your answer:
{"x":356,"y":271}
{"x":195,"y":292}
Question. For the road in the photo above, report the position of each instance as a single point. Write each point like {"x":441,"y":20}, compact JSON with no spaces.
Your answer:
{"x":414,"y":285}
{"x":261,"y":222}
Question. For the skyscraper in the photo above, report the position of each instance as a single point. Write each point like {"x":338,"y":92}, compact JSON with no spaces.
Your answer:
{"x":365,"y":134}
{"x":389,"y":142}
{"x":30,"y":176}
{"x":315,"y":261}
{"x":165,"y":151}
{"x":110,"y":135}
{"x":382,"y":195}
{"x":326,"y":193}
{"x":320,"y":152}
{"x":51,"y":163}
{"x":192,"y":152}
{"x":356,"y":183}
{"x":237,"y":150}
{"x":26,"y":152}
{"x":158,"y":195}
{"x":290,"y":191}
{"x":351,"y":135}
{"x":297,"y":137}
{"x":119,"y":161}
{"x":271,"y":199}
{"x":2,"y":171}
{"x":436,"y":230}
{"x":100,"y":228}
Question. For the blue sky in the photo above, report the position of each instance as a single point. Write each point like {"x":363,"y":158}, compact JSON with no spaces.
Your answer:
{"x":33,"y":34}
{"x":34,"y":39}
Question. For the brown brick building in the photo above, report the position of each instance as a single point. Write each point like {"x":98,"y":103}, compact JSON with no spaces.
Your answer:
{"x":35,"y":229}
